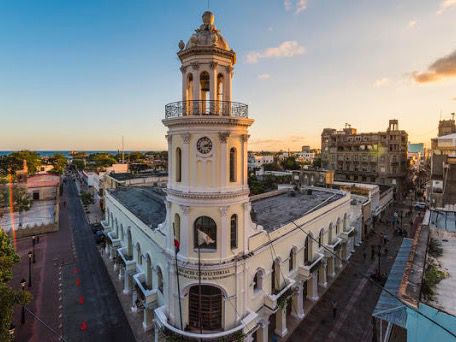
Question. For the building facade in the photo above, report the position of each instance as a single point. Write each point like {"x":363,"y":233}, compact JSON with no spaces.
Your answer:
{"x":379,"y":157}
{"x":203,"y":258}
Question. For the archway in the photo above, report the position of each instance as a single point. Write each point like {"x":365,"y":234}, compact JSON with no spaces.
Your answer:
{"x":205,"y":308}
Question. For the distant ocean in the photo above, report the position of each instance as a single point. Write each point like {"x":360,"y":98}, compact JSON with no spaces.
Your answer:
{"x":67,"y":154}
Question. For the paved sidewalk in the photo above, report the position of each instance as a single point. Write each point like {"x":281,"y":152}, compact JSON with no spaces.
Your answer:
{"x":356,"y":296}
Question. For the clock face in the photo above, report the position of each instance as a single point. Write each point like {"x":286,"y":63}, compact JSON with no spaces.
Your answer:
{"x":204,"y":145}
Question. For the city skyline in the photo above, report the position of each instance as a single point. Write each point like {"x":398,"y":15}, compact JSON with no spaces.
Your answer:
{"x":102,"y":70}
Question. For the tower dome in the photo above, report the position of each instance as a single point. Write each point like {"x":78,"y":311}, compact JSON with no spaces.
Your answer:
{"x":206,"y":35}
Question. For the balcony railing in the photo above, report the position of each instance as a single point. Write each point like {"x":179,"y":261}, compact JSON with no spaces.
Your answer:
{"x":307,"y":270}
{"x":145,"y":294}
{"x":206,"y":108}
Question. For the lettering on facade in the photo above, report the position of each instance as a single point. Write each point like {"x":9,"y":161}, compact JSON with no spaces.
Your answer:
{"x":205,"y":275}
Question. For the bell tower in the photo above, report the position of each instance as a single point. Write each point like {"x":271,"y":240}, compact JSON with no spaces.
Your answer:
{"x":207,"y":151}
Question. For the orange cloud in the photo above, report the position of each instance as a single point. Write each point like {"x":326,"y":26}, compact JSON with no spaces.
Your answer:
{"x":444,"y":67}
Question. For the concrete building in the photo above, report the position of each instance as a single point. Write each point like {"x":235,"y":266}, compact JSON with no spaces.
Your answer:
{"x":243,"y":265}
{"x":152,"y":178}
{"x":421,"y":311}
{"x":257,"y":161}
{"x":377,"y":157}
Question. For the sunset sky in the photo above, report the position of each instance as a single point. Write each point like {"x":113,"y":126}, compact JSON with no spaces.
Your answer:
{"x":80,"y":74}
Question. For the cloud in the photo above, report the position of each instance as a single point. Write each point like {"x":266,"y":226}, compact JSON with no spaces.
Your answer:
{"x":381,"y":82}
{"x":264,"y":77}
{"x":444,"y":67}
{"x":446,"y":4}
{"x":411,"y":24}
{"x":296,"y":5}
{"x":288,"y":48}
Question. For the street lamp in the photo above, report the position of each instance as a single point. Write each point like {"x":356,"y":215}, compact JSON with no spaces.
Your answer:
{"x":23,"y":282}
{"x":30,"y":269}
{"x":33,"y":246}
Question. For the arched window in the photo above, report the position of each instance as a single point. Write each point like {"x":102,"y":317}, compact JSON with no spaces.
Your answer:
{"x":177,"y":227}
{"x":275,"y":277}
{"x":220,"y":87}
{"x":345,"y":222}
{"x":116,"y":226}
{"x":308,"y":254}
{"x":258,"y":280}
{"x":233,"y":176}
{"x":148,"y":272}
{"x":129,"y":244}
{"x":178,"y":165}
{"x":122,"y":233}
{"x":330,"y":233}
{"x":205,"y":233}
{"x":138,"y":254}
{"x":205,"y":92}
{"x":291,"y":260}
{"x":234,"y":231}
{"x":205,"y":308}
{"x":321,"y":237}
{"x":337,"y":226}
{"x":160,"y":279}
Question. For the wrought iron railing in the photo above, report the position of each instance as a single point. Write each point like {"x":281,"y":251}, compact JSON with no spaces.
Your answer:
{"x":210,"y":108}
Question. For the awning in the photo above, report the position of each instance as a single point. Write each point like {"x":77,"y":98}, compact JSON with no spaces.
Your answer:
{"x":389,"y":308}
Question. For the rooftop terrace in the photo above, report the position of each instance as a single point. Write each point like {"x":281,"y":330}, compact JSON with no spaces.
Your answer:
{"x":129,"y":175}
{"x":282,"y":207}
{"x":145,"y":202}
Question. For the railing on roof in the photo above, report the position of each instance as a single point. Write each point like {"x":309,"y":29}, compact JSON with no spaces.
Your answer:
{"x":203,"y":108}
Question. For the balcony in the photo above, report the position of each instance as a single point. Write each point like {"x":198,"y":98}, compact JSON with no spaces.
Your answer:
{"x":272,"y":301}
{"x":105,"y":225}
{"x":146,"y":295}
{"x":333,"y":247}
{"x":206,"y":108}
{"x":112,"y":239}
{"x":306,"y":271}
{"x":347,"y":234}
{"x":169,"y":332}
{"x":127,"y":261}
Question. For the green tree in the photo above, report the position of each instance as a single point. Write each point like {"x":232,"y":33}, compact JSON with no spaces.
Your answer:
{"x":290,"y":163}
{"x":79,"y":164}
{"x":59,"y":162}
{"x":15,"y":161}
{"x":272,"y":167}
{"x":317,"y":162}
{"x":8,"y":296}
{"x":21,"y":201}
{"x":102,"y":159}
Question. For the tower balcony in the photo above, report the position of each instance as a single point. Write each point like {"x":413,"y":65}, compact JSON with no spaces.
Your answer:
{"x":206,"y":108}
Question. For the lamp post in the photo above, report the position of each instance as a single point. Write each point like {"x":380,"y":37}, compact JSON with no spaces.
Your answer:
{"x":23,"y":282}
{"x":33,"y":246}
{"x":30,"y":269}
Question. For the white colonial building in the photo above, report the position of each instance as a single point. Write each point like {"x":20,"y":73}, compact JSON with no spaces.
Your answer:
{"x":245,"y":264}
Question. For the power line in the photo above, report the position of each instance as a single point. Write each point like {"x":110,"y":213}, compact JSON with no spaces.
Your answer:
{"x":47,"y":326}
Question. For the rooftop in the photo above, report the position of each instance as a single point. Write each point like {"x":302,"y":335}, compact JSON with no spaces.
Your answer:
{"x":282,"y":207}
{"x":129,"y":175}
{"x":43,"y":180}
{"x":145,"y":202}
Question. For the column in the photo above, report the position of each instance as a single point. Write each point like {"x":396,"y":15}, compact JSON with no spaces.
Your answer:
{"x":322,"y":270}
{"x":185,"y":230}
{"x":229,"y":75}
{"x":224,"y":236}
{"x":244,"y":159}
{"x":314,"y":292}
{"x":121,"y":272}
{"x":331,"y":270}
{"x":213,"y":81}
{"x":223,"y":158}
{"x":281,"y":321}
{"x":147,"y":319}
{"x":169,"y":137}
{"x":184,"y":83}
{"x":297,"y":302}
{"x":263,"y":332}
{"x":185,"y":161}
{"x":126,"y":289}
{"x":196,"y":84}
{"x":134,"y":297}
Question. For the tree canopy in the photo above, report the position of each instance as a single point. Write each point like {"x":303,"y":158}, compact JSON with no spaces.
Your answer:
{"x":15,"y":161}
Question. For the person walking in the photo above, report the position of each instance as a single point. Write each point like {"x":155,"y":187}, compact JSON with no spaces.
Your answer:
{"x":334,"y":309}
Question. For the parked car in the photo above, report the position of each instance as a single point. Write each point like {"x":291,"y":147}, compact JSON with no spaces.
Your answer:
{"x":99,"y":237}
{"x":95,"y":227}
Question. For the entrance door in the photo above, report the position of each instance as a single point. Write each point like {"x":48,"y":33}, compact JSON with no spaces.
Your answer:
{"x":205,"y":311}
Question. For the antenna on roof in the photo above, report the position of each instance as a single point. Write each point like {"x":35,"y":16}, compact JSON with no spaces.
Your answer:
{"x":123,"y":150}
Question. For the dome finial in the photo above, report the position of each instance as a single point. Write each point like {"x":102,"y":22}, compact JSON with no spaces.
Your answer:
{"x":208,"y":18}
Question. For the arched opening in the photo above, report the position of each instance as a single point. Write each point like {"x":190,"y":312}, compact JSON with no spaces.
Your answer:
{"x":345,"y":222}
{"x":205,"y":92}
{"x":292,"y":260}
{"x":138,"y":254}
{"x":275,"y":277}
{"x":205,"y":308}
{"x":205,"y":233}
{"x":129,"y":244}
{"x":189,"y":95}
{"x":321,"y":237}
{"x":330,"y":233}
{"x":308,"y":253}
{"x":234,"y":231}
{"x":337,"y":227}
{"x":258,"y":281}
{"x":178,"y":164}
{"x":122,"y":233}
{"x":220,"y":93}
{"x":160,"y":283}
{"x":148,"y":272}
{"x":177,"y":227}
{"x":233,"y":163}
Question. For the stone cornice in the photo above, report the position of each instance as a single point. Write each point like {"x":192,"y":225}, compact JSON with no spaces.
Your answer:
{"x":207,"y":120}
{"x":204,"y":51}
{"x":207,"y":195}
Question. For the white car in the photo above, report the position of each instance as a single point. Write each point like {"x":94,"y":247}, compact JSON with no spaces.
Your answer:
{"x":420,"y":205}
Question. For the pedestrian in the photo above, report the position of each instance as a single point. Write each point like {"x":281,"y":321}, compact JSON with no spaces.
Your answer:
{"x":364,"y":255}
{"x":334,"y":308}
{"x":385,"y":239}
